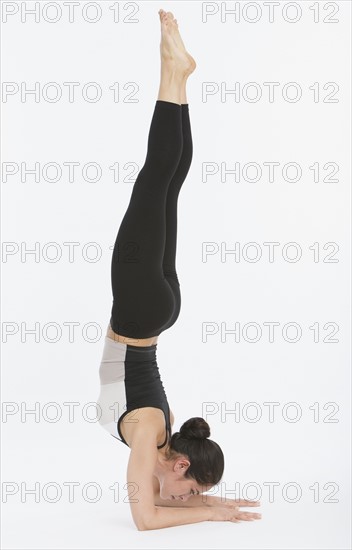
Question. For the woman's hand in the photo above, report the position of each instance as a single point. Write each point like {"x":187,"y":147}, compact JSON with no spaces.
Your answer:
{"x":230,"y":511}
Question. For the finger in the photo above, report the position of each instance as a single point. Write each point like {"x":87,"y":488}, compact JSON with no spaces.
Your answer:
{"x":243,"y":502}
{"x":248,"y":516}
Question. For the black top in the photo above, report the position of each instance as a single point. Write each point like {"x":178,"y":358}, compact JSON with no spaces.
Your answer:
{"x":143,"y":385}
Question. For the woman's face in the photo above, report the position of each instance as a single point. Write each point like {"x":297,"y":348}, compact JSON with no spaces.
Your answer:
{"x":174,"y":485}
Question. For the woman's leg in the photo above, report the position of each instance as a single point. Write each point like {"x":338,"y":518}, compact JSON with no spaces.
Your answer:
{"x":169,"y":267}
{"x":144,"y":302}
{"x":169,"y":261}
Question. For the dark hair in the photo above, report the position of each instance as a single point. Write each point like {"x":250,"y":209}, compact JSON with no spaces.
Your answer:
{"x":205,"y":456}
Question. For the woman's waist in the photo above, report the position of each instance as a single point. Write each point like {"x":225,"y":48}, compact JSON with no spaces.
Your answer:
{"x":131,"y":342}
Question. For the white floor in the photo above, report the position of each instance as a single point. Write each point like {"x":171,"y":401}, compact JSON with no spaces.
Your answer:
{"x":106,"y":524}
{"x":105,"y":527}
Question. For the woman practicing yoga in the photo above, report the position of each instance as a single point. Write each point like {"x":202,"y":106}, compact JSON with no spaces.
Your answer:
{"x":166,"y":472}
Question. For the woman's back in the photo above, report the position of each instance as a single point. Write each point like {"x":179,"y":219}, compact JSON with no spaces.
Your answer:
{"x":129,"y":383}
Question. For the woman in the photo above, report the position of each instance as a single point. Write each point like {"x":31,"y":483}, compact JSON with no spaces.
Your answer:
{"x":164,"y":470}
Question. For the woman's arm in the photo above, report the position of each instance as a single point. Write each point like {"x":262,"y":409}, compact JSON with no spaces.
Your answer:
{"x":205,"y":500}
{"x":170,"y":517}
{"x":194,"y":500}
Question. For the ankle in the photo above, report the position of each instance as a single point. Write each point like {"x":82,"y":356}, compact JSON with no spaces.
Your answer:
{"x":173,"y":71}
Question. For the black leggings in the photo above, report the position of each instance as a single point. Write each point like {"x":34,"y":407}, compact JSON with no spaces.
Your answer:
{"x":145,"y":286}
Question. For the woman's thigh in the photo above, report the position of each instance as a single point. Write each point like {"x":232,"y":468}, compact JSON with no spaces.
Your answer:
{"x":142,"y":308}
{"x":143,"y":299}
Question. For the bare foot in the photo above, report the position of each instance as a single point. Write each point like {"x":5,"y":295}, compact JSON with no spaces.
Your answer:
{"x":177,"y":36}
{"x":179,"y":42}
{"x":172,"y":48}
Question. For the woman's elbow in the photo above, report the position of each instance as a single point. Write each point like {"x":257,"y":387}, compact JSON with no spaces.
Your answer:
{"x":144,"y":524}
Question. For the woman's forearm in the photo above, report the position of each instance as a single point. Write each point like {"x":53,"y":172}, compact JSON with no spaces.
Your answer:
{"x":204,"y":500}
{"x":194,"y":500}
{"x":171,"y":517}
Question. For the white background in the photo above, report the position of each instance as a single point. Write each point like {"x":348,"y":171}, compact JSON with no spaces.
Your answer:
{"x":195,"y":370}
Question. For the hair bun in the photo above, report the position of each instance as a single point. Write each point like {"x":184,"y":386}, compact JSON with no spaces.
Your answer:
{"x":195,"y":428}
